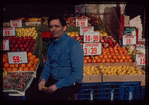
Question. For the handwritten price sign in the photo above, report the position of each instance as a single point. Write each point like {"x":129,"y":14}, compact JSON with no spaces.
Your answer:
{"x":86,"y":29}
{"x":5,"y":45}
{"x":91,"y":36}
{"x":79,"y":9}
{"x":15,"y":23}
{"x":81,"y":22}
{"x":9,"y":31}
{"x":140,"y":58}
{"x":17,"y":57}
{"x":92,"y":48}
{"x":129,"y":40}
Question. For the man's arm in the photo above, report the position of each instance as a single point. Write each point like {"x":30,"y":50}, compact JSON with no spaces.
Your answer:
{"x":77,"y":58}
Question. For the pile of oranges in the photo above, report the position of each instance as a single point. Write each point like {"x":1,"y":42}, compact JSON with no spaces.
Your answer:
{"x":110,"y":55}
{"x":30,"y":66}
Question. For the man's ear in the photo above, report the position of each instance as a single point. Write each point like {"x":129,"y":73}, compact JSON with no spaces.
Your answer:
{"x":64,"y":28}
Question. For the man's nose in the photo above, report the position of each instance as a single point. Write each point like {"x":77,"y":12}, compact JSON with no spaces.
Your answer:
{"x":52,"y":29}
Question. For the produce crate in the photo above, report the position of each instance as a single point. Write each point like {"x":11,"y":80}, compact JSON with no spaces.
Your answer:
{"x":91,"y":79}
{"x":89,"y":91}
{"x":129,"y":90}
{"x":142,"y":93}
{"x":109,"y":90}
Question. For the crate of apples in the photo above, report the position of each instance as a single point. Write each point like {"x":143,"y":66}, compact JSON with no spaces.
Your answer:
{"x":111,"y":55}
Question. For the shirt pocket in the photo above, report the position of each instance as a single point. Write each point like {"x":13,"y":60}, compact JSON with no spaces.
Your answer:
{"x":63,"y":71}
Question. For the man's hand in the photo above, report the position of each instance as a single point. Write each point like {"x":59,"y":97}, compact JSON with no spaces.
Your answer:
{"x":41,"y":84}
{"x":51,"y":89}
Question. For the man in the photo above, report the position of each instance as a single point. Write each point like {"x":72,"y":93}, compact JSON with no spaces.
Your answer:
{"x":63,"y":71}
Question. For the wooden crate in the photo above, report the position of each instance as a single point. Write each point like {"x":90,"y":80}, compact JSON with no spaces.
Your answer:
{"x":91,"y":79}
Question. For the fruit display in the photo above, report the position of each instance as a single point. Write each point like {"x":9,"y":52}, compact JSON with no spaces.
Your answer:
{"x":26,"y":32}
{"x":21,"y":43}
{"x":121,"y":70}
{"x":91,"y":70}
{"x":34,"y":19}
{"x":16,"y":81}
{"x":30,"y":66}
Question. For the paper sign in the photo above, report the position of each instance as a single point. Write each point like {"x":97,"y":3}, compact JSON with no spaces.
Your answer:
{"x":79,"y":8}
{"x":92,"y":48}
{"x":9,"y":31}
{"x":5,"y":45}
{"x":86,"y":29}
{"x":91,"y":36}
{"x":15,"y":23}
{"x":140,"y":58}
{"x":17,"y":57}
{"x":81,"y":22}
{"x":129,"y":40}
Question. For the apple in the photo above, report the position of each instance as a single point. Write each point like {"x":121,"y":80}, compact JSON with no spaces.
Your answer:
{"x":19,"y":42}
{"x":13,"y":49}
{"x":18,"y":49}
{"x":22,"y":49}
{"x":26,"y":45}
{"x":13,"y":42}
{"x":21,"y":45}
{"x":27,"y":49}
{"x":16,"y":46}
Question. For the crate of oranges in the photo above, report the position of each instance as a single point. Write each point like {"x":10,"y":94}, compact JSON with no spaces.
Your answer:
{"x":31,"y":66}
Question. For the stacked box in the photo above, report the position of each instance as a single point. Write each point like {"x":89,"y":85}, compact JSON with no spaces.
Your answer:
{"x":129,"y":90}
{"x":142,"y":93}
{"x":89,"y":91}
{"x":109,"y":90}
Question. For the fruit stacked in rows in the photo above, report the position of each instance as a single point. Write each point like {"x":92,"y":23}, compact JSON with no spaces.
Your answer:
{"x":26,"y":32}
{"x":121,"y":70}
{"x":30,"y":66}
{"x":91,"y":70}
{"x":21,"y":43}
{"x":116,"y":54}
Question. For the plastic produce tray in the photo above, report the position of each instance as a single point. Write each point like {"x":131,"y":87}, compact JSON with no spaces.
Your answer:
{"x":129,"y":90}
{"x":109,"y":90}
{"x":89,"y":91}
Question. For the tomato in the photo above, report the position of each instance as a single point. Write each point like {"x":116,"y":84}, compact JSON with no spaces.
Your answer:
{"x":94,"y":60}
{"x":103,"y":60}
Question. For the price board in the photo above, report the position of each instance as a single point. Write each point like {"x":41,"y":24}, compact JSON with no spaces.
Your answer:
{"x":9,"y":31}
{"x":129,"y":39}
{"x":17,"y":57}
{"x":91,"y":36}
{"x":86,"y":29}
{"x":140,"y":58}
{"x":15,"y":23}
{"x":5,"y":45}
{"x":81,"y":22}
{"x":92,"y":48}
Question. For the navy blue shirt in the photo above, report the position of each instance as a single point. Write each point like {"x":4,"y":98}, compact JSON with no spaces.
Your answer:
{"x":64,"y":61}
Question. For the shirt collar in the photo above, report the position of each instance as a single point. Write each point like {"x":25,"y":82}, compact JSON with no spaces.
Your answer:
{"x":60,"y":39}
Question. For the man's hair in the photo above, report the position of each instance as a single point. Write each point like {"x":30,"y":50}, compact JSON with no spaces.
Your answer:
{"x":61,"y":19}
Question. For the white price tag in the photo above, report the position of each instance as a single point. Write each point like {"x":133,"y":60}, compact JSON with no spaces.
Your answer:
{"x":9,"y":31}
{"x":129,"y":40}
{"x":5,"y":45}
{"x":15,"y":23}
{"x":81,"y":22}
{"x":86,"y":29}
{"x":17,"y":57}
{"x":92,"y":48}
{"x":91,"y":36}
{"x":140,"y":58}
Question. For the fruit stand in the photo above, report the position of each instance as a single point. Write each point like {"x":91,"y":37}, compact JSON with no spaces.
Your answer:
{"x":111,"y":70}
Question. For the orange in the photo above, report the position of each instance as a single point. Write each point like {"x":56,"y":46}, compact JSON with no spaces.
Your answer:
{"x":21,"y":68}
{"x":100,"y":56}
{"x":37,"y":59}
{"x":29,"y":54}
{"x":94,"y":60}
{"x":34,"y":56}
{"x":6,"y":65}
{"x":123,"y":57}
{"x":26,"y":69}
{"x":119,"y":57}
{"x":109,"y":56}
{"x":96,"y":57}
{"x":103,"y":60}
{"x":105,"y":56}
{"x":127,"y":57}
{"x":121,"y":60}
{"x":12,"y":65}
{"x":15,"y":69}
{"x":32,"y":62}
{"x":5,"y":55}
{"x":116,"y":60}
{"x":108,"y":60}
{"x":130,"y":60}
{"x":32,"y":69}
{"x":114,"y":57}
{"x":112,"y":60}
{"x":125,"y":60}
{"x":29,"y":65}
{"x":9,"y":69}
{"x":5,"y":59}
{"x":16,"y":65}
{"x":23,"y":65}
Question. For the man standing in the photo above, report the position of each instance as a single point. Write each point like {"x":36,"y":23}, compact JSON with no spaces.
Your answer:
{"x":63,"y":71}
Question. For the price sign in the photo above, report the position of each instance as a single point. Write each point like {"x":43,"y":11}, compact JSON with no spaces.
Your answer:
{"x":129,"y":40}
{"x":15,"y":23}
{"x":9,"y":31}
{"x":92,"y":48}
{"x":86,"y":29}
{"x":79,"y":8}
{"x":81,"y":22}
{"x":5,"y":45}
{"x":91,"y":36}
{"x":17,"y":57}
{"x":140,"y":58}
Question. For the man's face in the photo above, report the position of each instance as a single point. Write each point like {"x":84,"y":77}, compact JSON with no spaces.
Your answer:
{"x":56,"y":28}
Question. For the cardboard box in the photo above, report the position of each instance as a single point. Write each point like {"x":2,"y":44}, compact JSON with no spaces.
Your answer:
{"x":91,"y":79}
